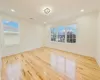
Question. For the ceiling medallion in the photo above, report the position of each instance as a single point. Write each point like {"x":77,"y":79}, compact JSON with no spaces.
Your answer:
{"x":47,"y":11}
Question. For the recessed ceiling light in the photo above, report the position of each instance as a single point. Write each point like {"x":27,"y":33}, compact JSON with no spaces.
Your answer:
{"x":45,"y":22}
{"x":12,"y":10}
{"x":82,"y":10}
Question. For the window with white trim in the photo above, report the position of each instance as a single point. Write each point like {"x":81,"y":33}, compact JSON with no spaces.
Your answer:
{"x":64,"y":34}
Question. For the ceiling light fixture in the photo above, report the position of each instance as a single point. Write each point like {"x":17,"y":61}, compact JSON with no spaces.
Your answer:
{"x":12,"y":10}
{"x":82,"y":10}
{"x":45,"y":22}
{"x":47,"y":10}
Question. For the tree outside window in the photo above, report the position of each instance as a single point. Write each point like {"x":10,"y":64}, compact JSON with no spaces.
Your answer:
{"x":53,"y":34}
{"x":71,"y":33}
{"x":61,"y":34}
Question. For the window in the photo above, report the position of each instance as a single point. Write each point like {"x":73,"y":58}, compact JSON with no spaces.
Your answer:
{"x":10,"y":26}
{"x":61,"y":34}
{"x":58,"y":34}
{"x":11,"y":33}
{"x":71,"y":33}
{"x":53,"y":34}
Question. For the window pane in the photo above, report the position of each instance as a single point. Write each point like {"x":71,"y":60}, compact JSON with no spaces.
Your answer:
{"x":71,"y":33}
{"x":68,"y":36}
{"x":53,"y":34}
{"x":10,"y":26}
{"x":53,"y":37}
{"x":68,"y":40}
{"x":61,"y":34}
{"x":74,"y":40}
{"x":74,"y":35}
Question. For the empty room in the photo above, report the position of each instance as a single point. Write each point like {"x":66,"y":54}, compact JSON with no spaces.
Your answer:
{"x":49,"y":39}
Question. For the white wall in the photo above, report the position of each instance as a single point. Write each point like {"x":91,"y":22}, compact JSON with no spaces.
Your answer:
{"x":86,"y":35}
{"x":31,"y":36}
{"x":98,"y":41}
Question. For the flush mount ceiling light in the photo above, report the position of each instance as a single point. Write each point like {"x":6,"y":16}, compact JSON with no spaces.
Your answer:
{"x":46,"y":10}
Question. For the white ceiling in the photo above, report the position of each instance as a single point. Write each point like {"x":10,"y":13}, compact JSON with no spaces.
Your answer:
{"x":60,"y":8}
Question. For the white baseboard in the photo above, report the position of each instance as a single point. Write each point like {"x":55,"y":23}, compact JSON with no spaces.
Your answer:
{"x":19,"y":52}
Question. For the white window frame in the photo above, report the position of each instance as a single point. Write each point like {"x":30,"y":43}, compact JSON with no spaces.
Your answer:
{"x":65,"y":35}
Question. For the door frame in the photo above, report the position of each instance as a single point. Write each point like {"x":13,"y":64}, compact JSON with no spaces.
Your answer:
{"x":1,"y":37}
{"x":1,"y":41}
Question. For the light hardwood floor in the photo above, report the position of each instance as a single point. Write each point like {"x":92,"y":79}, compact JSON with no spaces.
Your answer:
{"x":49,"y":64}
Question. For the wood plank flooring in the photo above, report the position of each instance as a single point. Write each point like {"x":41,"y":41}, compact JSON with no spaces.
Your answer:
{"x":49,"y":64}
